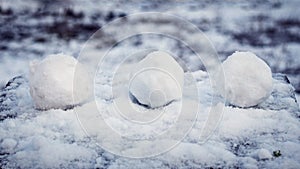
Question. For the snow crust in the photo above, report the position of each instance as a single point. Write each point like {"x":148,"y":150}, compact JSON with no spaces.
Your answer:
{"x":157,"y":80}
{"x":248,"y":79}
{"x":52,"y":82}
{"x":55,"y":139}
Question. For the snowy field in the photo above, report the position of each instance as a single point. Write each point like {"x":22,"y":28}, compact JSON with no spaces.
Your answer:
{"x":262,"y":136}
{"x":37,"y":28}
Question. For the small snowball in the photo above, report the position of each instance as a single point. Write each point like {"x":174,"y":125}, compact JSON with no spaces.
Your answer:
{"x":156,"y":80}
{"x":264,"y":154}
{"x":248,"y":79}
{"x":52,"y":82}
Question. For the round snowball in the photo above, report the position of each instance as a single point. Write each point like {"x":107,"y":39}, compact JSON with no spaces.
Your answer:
{"x":248,"y":79}
{"x":156,"y":80}
{"x":52,"y":82}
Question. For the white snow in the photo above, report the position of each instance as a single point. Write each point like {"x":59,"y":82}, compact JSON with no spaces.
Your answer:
{"x":298,"y":99}
{"x":264,"y":154}
{"x":157,"y":80}
{"x":248,"y":79}
{"x":55,"y":82}
{"x":8,"y":144}
{"x":54,"y":138}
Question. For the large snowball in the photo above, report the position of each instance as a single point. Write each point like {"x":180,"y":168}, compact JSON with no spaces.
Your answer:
{"x":248,"y":79}
{"x":156,"y":80}
{"x":52,"y":82}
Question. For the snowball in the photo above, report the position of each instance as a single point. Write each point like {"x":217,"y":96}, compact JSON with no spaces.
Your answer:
{"x":52,"y":82}
{"x":264,"y":154}
{"x":156,"y":80}
{"x":248,"y":79}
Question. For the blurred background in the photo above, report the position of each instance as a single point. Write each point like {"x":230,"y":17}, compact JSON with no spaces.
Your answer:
{"x":32,"y":29}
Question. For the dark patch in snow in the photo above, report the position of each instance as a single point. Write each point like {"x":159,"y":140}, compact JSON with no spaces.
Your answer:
{"x":9,"y":99}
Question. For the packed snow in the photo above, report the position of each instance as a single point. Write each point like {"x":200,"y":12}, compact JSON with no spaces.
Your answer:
{"x":264,"y":154}
{"x":156,"y":80}
{"x":248,"y":79}
{"x":53,"y":83}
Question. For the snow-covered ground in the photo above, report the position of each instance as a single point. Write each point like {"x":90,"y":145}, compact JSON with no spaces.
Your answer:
{"x":245,"y":138}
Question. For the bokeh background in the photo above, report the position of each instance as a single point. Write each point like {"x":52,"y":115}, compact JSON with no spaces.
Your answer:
{"x":32,"y":29}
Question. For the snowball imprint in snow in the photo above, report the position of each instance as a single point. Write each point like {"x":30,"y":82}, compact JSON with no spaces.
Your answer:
{"x":52,"y":82}
{"x":156,"y":80}
{"x":248,"y":79}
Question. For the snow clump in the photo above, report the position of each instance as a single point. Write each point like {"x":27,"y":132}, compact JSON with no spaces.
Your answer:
{"x":156,"y":80}
{"x":52,"y":82}
{"x":248,"y":79}
{"x":264,"y":154}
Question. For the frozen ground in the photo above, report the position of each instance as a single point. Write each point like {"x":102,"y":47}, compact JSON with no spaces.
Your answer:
{"x":246,"y":138}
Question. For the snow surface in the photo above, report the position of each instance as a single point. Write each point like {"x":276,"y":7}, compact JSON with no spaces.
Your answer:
{"x":53,"y":83}
{"x":298,"y":98}
{"x":156,"y":80}
{"x":55,"y":139}
{"x":248,"y":79}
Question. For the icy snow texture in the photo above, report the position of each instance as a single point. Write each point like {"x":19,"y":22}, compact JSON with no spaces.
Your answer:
{"x":52,"y":82}
{"x":248,"y":79}
{"x":157,"y":80}
{"x":54,"y":138}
